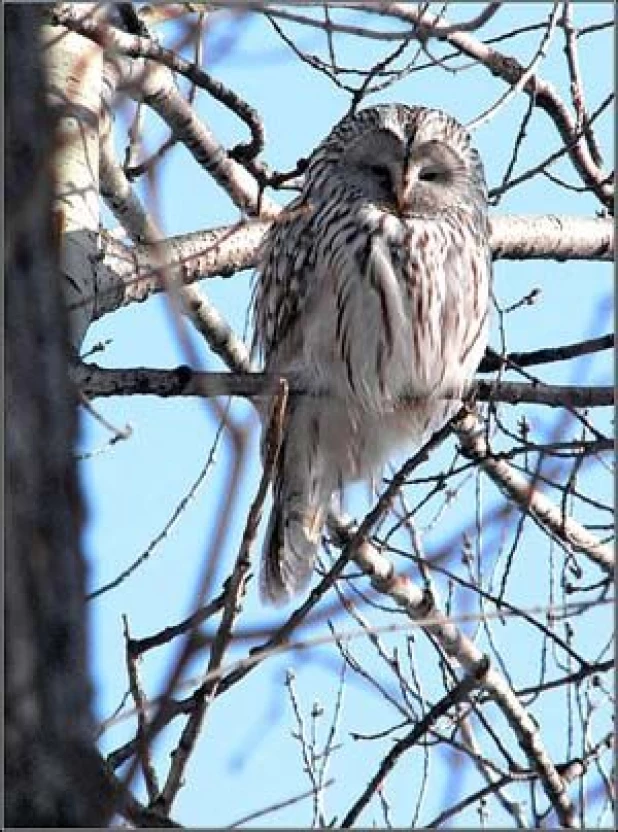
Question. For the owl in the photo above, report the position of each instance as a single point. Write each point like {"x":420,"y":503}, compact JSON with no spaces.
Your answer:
{"x":372,"y":291}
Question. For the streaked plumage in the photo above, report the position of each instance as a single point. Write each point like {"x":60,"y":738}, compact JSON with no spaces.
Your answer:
{"x":373,"y":285}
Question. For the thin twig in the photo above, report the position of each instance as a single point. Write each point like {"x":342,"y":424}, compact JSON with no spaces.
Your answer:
{"x":236,"y":586}
{"x":530,"y":500}
{"x":283,"y":804}
{"x":173,"y":519}
{"x":143,"y":749}
{"x":460,"y":692}
{"x":525,"y":76}
{"x":142,"y":645}
{"x":577,"y":85}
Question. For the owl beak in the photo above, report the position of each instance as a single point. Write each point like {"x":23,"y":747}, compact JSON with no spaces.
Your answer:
{"x":405,"y":193}
{"x":404,"y":201}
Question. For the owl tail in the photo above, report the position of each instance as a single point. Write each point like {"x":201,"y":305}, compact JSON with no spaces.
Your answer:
{"x":301,"y":496}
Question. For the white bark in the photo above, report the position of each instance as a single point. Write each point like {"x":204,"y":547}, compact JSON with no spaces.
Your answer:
{"x":73,"y":70}
{"x":132,"y":274}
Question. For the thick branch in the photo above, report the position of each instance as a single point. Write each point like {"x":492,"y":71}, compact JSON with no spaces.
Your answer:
{"x":133,"y":274}
{"x":550,"y":237}
{"x":130,"y":274}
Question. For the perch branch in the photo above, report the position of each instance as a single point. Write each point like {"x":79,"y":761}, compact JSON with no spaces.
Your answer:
{"x":101,"y":382}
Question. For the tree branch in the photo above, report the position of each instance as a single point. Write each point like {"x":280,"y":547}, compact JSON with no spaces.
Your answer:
{"x":460,"y":692}
{"x":115,"y":41}
{"x":101,"y":382}
{"x":493,"y":361}
{"x":420,"y":607}
{"x":555,"y":520}
{"x":415,"y":603}
{"x":550,"y":237}
{"x":235,"y":590}
{"x":131,"y":274}
{"x":511,"y":71}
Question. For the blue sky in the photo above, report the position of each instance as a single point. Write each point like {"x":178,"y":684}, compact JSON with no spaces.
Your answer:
{"x":247,"y":757}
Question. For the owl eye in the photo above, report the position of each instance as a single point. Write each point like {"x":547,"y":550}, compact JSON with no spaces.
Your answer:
{"x":430,"y":174}
{"x":383,"y":175}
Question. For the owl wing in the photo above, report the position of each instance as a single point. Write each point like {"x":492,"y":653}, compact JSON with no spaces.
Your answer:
{"x":284,"y":280}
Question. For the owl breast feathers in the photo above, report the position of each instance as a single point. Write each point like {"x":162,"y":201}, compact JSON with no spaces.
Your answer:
{"x":373,"y":291}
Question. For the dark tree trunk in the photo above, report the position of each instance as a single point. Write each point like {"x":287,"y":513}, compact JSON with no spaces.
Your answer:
{"x":51,"y":768}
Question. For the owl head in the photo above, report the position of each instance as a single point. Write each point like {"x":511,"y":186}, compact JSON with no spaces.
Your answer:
{"x":409,"y":161}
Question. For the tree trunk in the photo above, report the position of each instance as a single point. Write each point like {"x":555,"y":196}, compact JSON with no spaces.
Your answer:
{"x":50,"y":760}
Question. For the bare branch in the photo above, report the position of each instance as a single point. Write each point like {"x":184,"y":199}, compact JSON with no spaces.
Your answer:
{"x":142,"y":645}
{"x":494,"y":361}
{"x":577,"y":84}
{"x":419,"y":606}
{"x":361,"y":31}
{"x":161,"y":276}
{"x":134,"y":46}
{"x":525,"y":76}
{"x":97,"y":382}
{"x":143,"y":749}
{"x":175,"y":516}
{"x":460,"y":692}
{"x":236,"y":587}
{"x":282,"y":804}
{"x":128,"y":806}
{"x":552,"y":395}
{"x":131,"y":274}
{"x":568,"y":771}
{"x":542,"y":167}
{"x":530,"y":500}
{"x":511,"y":71}
{"x":549,"y":237}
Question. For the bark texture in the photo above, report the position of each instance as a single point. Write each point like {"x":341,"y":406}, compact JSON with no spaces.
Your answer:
{"x":51,"y":767}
